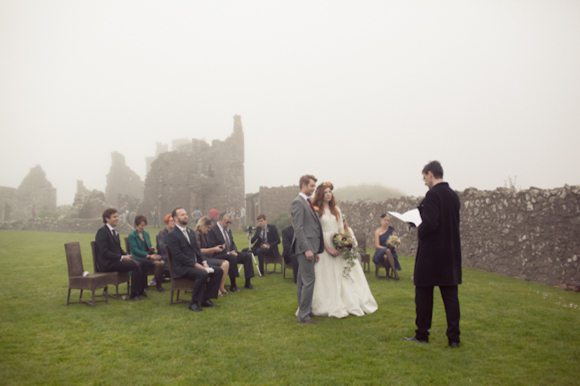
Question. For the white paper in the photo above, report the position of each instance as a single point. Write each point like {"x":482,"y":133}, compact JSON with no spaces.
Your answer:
{"x":413,"y":216}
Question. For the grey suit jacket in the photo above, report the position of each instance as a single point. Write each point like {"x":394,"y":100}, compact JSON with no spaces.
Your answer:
{"x":307,"y":229}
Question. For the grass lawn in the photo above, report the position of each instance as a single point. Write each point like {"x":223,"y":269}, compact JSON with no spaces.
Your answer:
{"x":513,"y":332}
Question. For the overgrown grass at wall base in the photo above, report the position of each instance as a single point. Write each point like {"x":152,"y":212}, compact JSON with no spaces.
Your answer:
{"x":513,"y":332}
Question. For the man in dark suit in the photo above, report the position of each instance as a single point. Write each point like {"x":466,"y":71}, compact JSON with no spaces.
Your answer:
{"x":112,"y":258}
{"x":220,"y":234}
{"x":188,"y":262}
{"x":438,"y":261}
{"x":266,"y":240}
{"x":289,"y":257}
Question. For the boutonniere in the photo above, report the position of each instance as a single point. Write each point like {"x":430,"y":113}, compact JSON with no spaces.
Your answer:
{"x":315,"y":208}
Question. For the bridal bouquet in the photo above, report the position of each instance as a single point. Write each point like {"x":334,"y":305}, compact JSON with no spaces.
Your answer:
{"x":345,"y":243}
{"x":394,"y":241}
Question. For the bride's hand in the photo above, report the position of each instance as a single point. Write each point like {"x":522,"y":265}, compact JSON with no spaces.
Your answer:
{"x":334,"y":252}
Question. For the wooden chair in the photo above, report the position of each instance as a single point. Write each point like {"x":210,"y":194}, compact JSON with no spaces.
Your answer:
{"x":285,"y":267}
{"x":273,"y":260}
{"x":365,"y":258}
{"x":180,"y":284}
{"x":76,"y":280}
{"x":114,"y":278}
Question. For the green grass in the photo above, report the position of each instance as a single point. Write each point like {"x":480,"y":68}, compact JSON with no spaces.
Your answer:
{"x":513,"y":332}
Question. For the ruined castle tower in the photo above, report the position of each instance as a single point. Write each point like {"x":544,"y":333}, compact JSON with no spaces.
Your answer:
{"x":122,"y":180}
{"x":196,"y":175}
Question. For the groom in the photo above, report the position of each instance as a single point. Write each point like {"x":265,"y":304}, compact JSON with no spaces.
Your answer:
{"x":307,"y":244}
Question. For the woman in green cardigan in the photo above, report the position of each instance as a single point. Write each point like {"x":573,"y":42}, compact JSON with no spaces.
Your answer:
{"x":142,"y":251}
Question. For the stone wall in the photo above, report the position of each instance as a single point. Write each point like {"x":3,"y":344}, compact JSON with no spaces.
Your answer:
{"x":198,"y":175}
{"x":531,"y":234}
{"x":270,"y":202}
{"x":88,"y":204}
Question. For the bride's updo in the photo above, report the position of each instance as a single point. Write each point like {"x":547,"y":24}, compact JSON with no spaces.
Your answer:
{"x":319,"y":200}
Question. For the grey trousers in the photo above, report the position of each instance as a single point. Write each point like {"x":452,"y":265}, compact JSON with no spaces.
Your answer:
{"x":305,"y":286}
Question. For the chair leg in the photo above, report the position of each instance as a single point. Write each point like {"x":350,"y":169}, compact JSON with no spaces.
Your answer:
{"x":80,"y":296}
{"x":68,"y":297}
{"x":93,"y":298}
{"x":106,"y":293}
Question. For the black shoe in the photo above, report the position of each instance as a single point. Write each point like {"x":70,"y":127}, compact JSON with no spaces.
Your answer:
{"x":413,"y":339}
{"x":234,"y":289}
{"x":453,"y":344}
{"x":143,"y":295}
{"x":195,"y":307}
{"x":208,"y":303}
{"x":249,"y":286}
{"x":134,"y":298}
{"x":160,"y":289}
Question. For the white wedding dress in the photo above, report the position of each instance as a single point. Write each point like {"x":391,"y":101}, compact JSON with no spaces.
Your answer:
{"x":336,"y":295}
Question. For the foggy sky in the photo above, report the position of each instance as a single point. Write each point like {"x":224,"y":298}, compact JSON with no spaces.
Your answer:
{"x":350,"y":91}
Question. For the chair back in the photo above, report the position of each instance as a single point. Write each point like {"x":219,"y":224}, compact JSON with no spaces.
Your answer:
{"x":94,"y":252}
{"x":362,"y":241}
{"x":74,"y":259}
{"x":169,"y":262}
{"x":127,"y":249}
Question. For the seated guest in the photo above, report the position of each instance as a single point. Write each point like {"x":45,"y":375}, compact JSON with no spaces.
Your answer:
{"x":196,"y":214}
{"x":141,"y":249}
{"x":169,"y":224}
{"x":289,"y":257}
{"x":112,"y":258}
{"x":213,"y":214}
{"x":386,"y":253}
{"x":213,"y":255}
{"x":220,"y":234}
{"x":187,"y":261}
{"x":265,"y":241}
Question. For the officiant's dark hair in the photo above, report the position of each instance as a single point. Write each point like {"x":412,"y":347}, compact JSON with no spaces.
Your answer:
{"x":435,"y":168}
{"x":305,"y":180}
{"x":108,"y":213}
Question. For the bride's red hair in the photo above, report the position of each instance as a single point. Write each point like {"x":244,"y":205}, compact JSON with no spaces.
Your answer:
{"x":319,"y":200}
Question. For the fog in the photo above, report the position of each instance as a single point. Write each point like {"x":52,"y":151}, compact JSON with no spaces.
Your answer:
{"x":350,"y":91}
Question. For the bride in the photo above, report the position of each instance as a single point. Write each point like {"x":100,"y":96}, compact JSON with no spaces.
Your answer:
{"x":334,"y":294}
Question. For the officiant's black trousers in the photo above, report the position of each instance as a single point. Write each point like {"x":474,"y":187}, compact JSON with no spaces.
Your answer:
{"x":424,"y":307}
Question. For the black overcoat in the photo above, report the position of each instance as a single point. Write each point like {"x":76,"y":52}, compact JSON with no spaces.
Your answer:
{"x":438,"y":261}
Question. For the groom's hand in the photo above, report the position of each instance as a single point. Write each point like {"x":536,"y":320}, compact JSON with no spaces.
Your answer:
{"x":309,"y":255}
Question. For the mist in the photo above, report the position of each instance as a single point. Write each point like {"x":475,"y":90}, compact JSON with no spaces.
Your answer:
{"x":352,"y":92}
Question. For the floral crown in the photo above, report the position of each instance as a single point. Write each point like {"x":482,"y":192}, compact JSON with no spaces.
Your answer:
{"x":326,"y":184}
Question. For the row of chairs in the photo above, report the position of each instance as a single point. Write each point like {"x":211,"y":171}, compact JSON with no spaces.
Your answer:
{"x":98,"y":280}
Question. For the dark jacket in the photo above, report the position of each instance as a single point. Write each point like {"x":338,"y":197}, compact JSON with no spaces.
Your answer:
{"x":438,"y":261}
{"x":273,"y":239}
{"x":183,"y":255}
{"x":108,"y":248}
{"x":215,"y":237}
{"x":287,"y":237}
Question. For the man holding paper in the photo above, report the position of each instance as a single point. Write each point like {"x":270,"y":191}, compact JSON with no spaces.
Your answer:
{"x":438,"y":261}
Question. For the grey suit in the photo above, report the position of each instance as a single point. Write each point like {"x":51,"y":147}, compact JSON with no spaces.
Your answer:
{"x":307,"y":237}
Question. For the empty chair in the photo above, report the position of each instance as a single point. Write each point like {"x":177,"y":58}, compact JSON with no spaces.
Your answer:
{"x":365,"y":258}
{"x":76,"y":280}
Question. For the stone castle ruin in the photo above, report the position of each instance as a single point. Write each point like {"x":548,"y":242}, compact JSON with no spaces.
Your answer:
{"x":122,"y":180}
{"x":34,"y":195}
{"x":197,"y":175}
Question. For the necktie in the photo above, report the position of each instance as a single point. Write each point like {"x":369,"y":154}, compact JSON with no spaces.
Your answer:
{"x":310,"y":202}
{"x":226,"y":236}
{"x":114,"y":232}
{"x":186,"y":235}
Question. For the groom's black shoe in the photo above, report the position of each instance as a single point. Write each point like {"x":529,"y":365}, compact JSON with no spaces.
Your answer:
{"x":453,"y":344}
{"x":413,"y":339}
